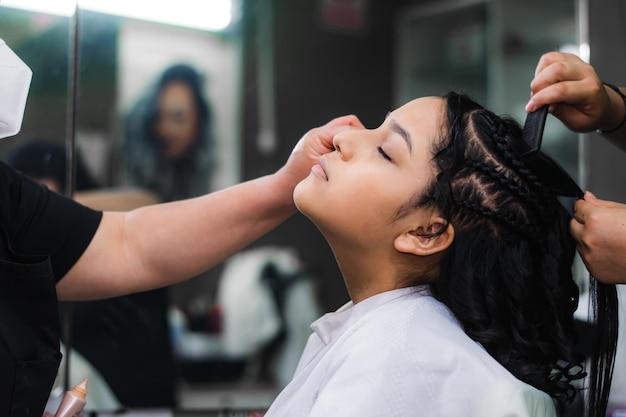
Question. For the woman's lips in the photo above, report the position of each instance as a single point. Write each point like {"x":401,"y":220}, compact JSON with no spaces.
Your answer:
{"x":319,"y":170}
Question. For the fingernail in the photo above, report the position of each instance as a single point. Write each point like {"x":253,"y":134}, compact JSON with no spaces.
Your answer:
{"x":530,"y":106}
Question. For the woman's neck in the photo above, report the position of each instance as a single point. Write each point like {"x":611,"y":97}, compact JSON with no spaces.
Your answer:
{"x":366,"y":272}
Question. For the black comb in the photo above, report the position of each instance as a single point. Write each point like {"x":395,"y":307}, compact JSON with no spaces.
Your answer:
{"x":550,"y":171}
{"x":532,"y":134}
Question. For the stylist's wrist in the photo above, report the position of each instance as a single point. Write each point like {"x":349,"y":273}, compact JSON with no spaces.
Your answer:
{"x":284,"y":182}
{"x":615,"y":115}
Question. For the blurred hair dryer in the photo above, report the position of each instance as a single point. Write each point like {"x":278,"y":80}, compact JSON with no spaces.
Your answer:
{"x":15,"y":77}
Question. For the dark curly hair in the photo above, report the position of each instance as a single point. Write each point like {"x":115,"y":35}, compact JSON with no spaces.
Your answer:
{"x":172,"y":179}
{"x":508,"y":274}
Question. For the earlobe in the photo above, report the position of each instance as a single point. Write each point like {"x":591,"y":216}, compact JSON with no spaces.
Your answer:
{"x":437,"y":237}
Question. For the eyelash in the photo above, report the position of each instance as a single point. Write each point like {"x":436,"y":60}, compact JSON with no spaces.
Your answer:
{"x":384,"y":154}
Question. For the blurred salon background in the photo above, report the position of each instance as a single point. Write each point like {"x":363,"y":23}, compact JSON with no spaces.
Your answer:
{"x":135,"y":103}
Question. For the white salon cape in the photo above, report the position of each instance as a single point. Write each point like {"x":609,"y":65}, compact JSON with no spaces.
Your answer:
{"x":402,"y":353}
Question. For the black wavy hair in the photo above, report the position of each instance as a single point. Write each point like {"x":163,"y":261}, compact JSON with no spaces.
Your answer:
{"x":145,"y":165}
{"x":186,"y":74}
{"x":508,"y":274}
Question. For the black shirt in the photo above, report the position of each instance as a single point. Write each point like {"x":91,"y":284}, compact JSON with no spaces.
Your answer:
{"x":42,"y":235}
{"x":38,"y":222}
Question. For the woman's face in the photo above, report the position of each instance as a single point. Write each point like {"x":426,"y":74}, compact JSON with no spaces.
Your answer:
{"x":357,"y":191}
{"x":176,"y":126}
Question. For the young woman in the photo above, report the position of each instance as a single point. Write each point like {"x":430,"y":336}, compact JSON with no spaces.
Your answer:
{"x":457,"y":259}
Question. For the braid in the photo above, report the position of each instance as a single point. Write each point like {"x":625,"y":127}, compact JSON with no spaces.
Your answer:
{"x":508,"y":170}
{"x":507,"y":219}
{"x":517,"y":190}
{"x":503,"y":130}
{"x":518,"y":298}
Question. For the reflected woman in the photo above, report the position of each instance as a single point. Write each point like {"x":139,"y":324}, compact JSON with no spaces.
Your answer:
{"x":168,"y":143}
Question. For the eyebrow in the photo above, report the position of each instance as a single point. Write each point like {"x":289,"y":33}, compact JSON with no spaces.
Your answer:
{"x":402,"y":132}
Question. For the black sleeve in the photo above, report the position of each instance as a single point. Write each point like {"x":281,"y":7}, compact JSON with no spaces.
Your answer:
{"x":39,"y":222}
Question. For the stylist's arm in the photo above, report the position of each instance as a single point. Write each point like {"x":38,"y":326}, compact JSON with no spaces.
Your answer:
{"x":599,"y":227}
{"x":163,"y":244}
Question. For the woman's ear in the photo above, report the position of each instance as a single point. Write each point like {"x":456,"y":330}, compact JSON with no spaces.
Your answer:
{"x":436,"y":237}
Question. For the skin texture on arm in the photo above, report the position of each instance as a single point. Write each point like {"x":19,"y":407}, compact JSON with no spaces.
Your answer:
{"x":163,"y":244}
{"x":599,"y":228}
{"x":577,"y":96}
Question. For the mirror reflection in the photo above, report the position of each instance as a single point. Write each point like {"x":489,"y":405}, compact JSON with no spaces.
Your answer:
{"x":165,"y":126}
{"x":166,"y":112}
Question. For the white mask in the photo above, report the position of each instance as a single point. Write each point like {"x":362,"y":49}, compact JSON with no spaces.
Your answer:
{"x":15,"y":79}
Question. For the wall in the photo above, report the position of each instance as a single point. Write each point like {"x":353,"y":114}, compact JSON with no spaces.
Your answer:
{"x":607,"y":39}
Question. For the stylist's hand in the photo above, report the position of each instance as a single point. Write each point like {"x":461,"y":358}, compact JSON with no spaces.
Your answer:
{"x":315,"y":143}
{"x":599,"y":228}
{"x":574,"y":92}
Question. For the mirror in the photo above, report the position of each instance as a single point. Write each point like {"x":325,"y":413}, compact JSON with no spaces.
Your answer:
{"x":283,"y":67}
{"x":157,"y":114}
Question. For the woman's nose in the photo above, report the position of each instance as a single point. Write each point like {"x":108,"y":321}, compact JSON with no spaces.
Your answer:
{"x":343,"y":143}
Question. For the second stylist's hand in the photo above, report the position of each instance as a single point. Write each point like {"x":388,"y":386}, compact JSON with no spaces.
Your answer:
{"x":599,"y":227}
{"x":573,"y":90}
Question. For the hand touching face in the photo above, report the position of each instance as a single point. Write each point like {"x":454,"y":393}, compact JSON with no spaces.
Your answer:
{"x":357,"y":190}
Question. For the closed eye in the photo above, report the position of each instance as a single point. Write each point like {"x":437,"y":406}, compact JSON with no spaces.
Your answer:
{"x":384,"y":154}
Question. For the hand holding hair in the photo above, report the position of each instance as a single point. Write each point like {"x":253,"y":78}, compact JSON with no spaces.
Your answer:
{"x":599,"y":227}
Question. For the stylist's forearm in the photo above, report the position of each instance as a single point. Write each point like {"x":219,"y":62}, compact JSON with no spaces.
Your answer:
{"x":182,"y":239}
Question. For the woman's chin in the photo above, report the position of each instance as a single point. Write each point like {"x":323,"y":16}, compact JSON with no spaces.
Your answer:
{"x":305,"y":202}
{"x":300,"y":194}
{"x":300,"y":191}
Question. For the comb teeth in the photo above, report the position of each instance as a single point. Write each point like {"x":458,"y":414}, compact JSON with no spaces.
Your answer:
{"x":533,"y":129}
{"x":548,"y":169}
